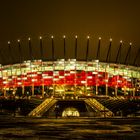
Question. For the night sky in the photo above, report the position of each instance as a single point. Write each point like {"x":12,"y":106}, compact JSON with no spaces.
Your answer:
{"x":118,"y":19}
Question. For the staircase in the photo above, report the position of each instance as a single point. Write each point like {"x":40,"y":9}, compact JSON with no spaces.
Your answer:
{"x":98,"y":107}
{"x":42,"y":108}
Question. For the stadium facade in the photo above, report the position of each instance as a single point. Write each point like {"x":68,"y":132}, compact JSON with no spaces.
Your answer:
{"x":71,"y":76}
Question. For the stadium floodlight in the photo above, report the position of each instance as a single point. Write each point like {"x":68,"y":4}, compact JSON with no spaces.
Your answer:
{"x":110,"y":39}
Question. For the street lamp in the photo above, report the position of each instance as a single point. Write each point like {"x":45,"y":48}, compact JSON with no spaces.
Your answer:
{"x":76,"y":46}
{"x":64,"y":46}
{"x":10,"y":51}
{"x":20,"y":52}
{"x":128,"y":53}
{"x":98,"y":51}
{"x":119,"y":51}
{"x":52,"y":37}
{"x":87,"y":48}
{"x":30,"y":48}
{"x":41,"y":48}
{"x":109,"y":50}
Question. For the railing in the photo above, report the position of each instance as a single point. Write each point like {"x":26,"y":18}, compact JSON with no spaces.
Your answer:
{"x":98,"y":107}
{"x":43,"y":107}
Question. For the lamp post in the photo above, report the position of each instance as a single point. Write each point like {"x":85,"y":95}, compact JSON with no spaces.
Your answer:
{"x":64,"y":37}
{"x":117,"y":57}
{"x":20,"y":60}
{"x":128,"y":53}
{"x":75,"y":63}
{"x":20,"y":52}
{"x":109,"y":50}
{"x":125,"y":61}
{"x":10,"y":51}
{"x":31,"y":58}
{"x":52,"y":38}
{"x":97,"y":58}
{"x":41,"y":48}
{"x":76,"y":47}
{"x":30,"y":49}
{"x":11,"y":57}
{"x":41,"y":57}
{"x":87,"y":48}
{"x":119,"y":52}
{"x":98,"y":50}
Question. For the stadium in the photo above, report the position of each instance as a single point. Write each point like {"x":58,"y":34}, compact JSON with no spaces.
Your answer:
{"x":76,"y":87}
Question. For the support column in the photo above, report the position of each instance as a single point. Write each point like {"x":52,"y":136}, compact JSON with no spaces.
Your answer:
{"x":42,"y":90}
{"x":53,"y":90}
{"x":125,"y":90}
{"x":4,"y":92}
{"x":116,"y":90}
{"x":106,"y":90}
{"x":32,"y":89}
{"x":134,"y":92}
{"x":23,"y":89}
{"x":96,"y":89}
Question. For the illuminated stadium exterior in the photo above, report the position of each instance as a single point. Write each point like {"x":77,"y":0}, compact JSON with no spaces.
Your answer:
{"x":61,"y":76}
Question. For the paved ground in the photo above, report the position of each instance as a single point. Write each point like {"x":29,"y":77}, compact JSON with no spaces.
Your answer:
{"x":69,"y":128}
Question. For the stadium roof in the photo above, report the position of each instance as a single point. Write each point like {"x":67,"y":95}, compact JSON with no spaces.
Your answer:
{"x":64,"y":47}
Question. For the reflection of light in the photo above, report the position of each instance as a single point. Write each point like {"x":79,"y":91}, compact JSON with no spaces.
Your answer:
{"x":94,"y":72}
{"x":70,"y":112}
{"x":19,"y":83}
{"x":34,"y":80}
{"x":106,"y":80}
{"x":24,"y":78}
{"x":55,"y":79}
{"x":72,"y":72}
{"x":61,"y":77}
{"x":83,"y":82}
{"x":5,"y":82}
{"x":89,"y":77}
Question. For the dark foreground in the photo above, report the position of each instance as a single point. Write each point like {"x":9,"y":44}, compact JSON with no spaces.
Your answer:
{"x":69,"y":128}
